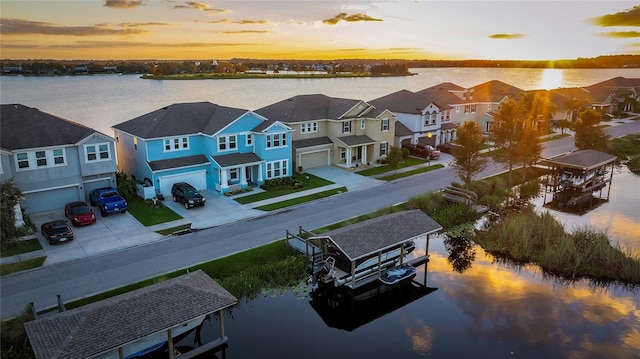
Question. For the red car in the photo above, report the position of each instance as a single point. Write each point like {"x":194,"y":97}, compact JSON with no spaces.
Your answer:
{"x":79,"y":213}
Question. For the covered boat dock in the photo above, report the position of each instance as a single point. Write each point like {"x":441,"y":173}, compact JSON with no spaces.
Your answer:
{"x":134,"y":323}
{"x":576,"y":177}
{"x":356,"y":255}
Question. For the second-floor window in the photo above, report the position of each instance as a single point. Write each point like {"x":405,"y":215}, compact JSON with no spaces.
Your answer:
{"x":276,"y":140}
{"x":309,"y":127}
{"x":384,"y":124}
{"x":97,"y":152}
{"x":226,"y":143}
{"x":346,"y":127}
{"x":434,"y":117}
{"x":249,"y":140}
{"x":363,"y":124}
{"x":469,"y":108}
{"x":176,"y":144}
{"x":40,"y":159}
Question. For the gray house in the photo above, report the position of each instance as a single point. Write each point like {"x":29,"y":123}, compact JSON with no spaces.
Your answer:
{"x":52,"y":160}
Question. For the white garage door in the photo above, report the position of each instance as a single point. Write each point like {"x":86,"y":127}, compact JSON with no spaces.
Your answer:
{"x":54,"y":199}
{"x":197,"y":179}
{"x":314,"y":159}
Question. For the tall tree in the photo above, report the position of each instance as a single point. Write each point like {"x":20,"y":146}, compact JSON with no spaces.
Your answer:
{"x":509,"y":123}
{"x":574,"y":106}
{"x":467,"y":159}
{"x":541,"y":109}
{"x":9,"y":196}
{"x":589,"y":135}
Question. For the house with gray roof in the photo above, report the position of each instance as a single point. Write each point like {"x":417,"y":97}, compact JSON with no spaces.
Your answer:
{"x":334,"y":131}
{"x":53,"y":160}
{"x":204,"y":144}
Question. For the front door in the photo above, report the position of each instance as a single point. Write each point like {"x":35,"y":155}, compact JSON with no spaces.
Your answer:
{"x":359,"y":157}
{"x":248,"y":173}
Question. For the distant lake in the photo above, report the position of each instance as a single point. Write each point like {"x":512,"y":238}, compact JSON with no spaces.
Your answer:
{"x":102,"y":101}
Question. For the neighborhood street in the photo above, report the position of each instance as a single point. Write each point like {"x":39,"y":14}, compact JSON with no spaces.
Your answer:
{"x":92,"y":275}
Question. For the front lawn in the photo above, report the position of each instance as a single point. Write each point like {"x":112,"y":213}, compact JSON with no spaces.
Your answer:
{"x":303,"y":199}
{"x":19,"y":247}
{"x":409,"y":162}
{"x":149,"y":214}
{"x":307,"y":180}
{"x":411,"y":172}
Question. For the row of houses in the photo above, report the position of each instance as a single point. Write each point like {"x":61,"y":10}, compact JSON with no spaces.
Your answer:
{"x":55,"y":160}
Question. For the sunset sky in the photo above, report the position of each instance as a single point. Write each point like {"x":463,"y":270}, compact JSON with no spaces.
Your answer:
{"x":320,"y":29}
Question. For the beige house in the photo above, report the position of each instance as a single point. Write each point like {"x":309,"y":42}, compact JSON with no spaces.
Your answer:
{"x":334,"y":131}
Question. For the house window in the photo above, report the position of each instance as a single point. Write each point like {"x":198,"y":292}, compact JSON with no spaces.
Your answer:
{"x":469,"y":108}
{"x":176,"y":144}
{"x":227,"y":143}
{"x":363,"y":124}
{"x":97,"y":152}
{"x":233,"y":173}
{"x":384,"y":124}
{"x":41,"y":158}
{"x":249,"y":140}
{"x":58,"y":157}
{"x":135,"y":143}
{"x":457,"y":108}
{"x":434,"y":117}
{"x":343,"y":153}
{"x":346,"y":127}
{"x":383,"y":148}
{"x":309,"y":127}
{"x":489,"y":107}
{"x":426,"y":120}
{"x":277,"y":169}
{"x":23,"y":160}
{"x":276,"y":140}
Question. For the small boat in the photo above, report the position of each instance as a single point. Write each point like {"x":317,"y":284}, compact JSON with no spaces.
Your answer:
{"x":397,"y":274}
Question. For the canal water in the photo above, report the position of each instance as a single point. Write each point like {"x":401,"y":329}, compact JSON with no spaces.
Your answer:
{"x":484,"y":308}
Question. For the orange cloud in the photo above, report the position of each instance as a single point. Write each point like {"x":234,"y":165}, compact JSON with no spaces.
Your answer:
{"x":23,"y":27}
{"x":507,"y":36}
{"x":231,"y":21}
{"x":196,"y":5}
{"x":630,"y":17}
{"x":122,"y":4}
{"x":349,"y":18}
{"x":621,"y":34}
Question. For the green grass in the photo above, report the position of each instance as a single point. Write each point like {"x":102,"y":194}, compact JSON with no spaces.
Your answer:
{"x":22,"y":265}
{"x":174,"y":229}
{"x":149,"y":214}
{"x":313,"y":182}
{"x":19,"y":247}
{"x":374,"y":171}
{"x":411,"y":173}
{"x":302,"y":199}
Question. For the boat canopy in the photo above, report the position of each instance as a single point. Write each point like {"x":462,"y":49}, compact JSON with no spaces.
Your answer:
{"x":366,"y":238}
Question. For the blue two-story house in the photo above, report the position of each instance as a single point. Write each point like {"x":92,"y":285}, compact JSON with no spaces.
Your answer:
{"x":204,"y":144}
{"x":52,"y":160}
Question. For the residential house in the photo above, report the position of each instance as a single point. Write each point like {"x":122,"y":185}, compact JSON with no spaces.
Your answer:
{"x":476,"y":103}
{"x":424,"y":117}
{"x":52,"y":160}
{"x":334,"y":131}
{"x":207,"y":145}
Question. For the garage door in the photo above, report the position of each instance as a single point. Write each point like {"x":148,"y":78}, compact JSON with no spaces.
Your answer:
{"x":50,"y":200}
{"x":314,"y":159}
{"x":196,"y":179}
{"x":90,"y":186}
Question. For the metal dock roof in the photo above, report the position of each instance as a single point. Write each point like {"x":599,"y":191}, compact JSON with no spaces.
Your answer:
{"x":378,"y":234}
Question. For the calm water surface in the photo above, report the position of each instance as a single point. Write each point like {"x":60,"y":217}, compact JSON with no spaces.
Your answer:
{"x":488,"y":310}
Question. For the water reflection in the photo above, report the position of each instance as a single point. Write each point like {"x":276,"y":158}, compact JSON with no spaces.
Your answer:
{"x":462,"y":252}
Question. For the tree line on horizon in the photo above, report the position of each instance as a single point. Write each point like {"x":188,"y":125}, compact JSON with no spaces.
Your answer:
{"x":373,"y":66}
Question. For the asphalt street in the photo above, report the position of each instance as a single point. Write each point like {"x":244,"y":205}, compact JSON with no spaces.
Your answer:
{"x":88,"y":276}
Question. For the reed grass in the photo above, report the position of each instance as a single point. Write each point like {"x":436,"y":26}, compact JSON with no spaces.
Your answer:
{"x":541,"y":239}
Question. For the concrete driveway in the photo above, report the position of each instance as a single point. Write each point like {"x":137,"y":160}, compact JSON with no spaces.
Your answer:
{"x":111,"y":233}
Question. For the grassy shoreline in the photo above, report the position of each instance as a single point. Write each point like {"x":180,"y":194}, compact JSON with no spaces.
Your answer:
{"x":239,"y":76}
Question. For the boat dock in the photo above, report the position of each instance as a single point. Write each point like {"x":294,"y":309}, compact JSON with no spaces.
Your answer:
{"x":356,"y":255}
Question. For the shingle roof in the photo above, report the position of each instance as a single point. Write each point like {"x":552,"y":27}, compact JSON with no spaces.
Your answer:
{"x":110,"y":323}
{"x":234,"y":159}
{"x":584,"y":159}
{"x":181,"y":119}
{"x":178,"y":162}
{"x":380,"y":233}
{"x":356,"y":140}
{"x":25,"y":127}
{"x":311,"y":142}
{"x":402,"y":130}
{"x":307,"y":108}
{"x":492,"y":91}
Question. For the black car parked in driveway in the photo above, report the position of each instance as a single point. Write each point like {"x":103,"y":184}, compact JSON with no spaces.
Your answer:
{"x":187,"y":194}
{"x":57,"y":231}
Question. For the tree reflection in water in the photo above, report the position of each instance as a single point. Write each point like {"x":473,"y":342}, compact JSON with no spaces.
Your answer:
{"x":461,"y":251}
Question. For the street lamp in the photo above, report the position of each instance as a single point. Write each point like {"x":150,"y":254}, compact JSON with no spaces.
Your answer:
{"x":429,"y":135}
